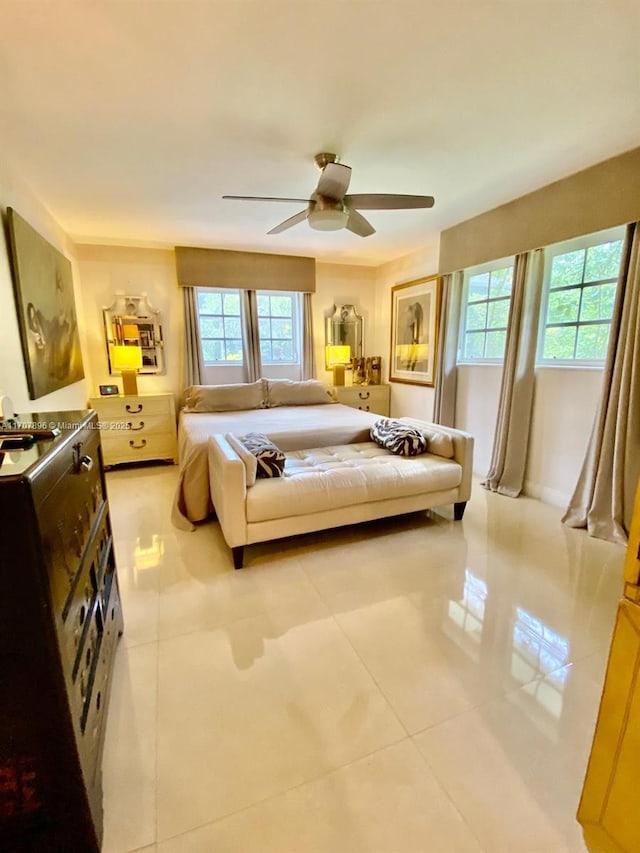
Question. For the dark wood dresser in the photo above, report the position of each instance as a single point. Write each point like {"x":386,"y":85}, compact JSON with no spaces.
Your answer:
{"x":60,"y":618}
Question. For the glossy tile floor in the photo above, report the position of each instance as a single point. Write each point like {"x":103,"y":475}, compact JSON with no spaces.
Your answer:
{"x":413,"y":685}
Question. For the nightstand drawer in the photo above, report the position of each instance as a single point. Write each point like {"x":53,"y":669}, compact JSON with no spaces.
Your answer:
{"x":126,"y":447}
{"x":368,"y":398}
{"x":126,"y":407}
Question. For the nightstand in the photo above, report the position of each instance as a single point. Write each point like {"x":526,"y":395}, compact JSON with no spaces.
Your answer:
{"x":137,"y":428}
{"x":369,"y":398}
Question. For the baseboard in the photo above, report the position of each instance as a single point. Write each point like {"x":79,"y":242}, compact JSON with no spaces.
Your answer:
{"x":546,"y":495}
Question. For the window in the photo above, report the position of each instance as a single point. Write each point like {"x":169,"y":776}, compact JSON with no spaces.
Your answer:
{"x":579,"y":292}
{"x":487,"y":295}
{"x":220,"y":326}
{"x":221,"y":322}
{"x":278,"y":325}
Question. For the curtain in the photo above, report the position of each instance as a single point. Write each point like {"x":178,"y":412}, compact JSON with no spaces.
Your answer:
{"x":603,"y":498}
{"x":511,"y":439}
{"x":250,"y":336}
{"x":308,"y":354}
{"x":193,"y":361}
{"x":444,"y":405}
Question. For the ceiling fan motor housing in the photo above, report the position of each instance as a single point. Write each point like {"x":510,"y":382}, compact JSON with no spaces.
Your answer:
{"x":327,"y":214}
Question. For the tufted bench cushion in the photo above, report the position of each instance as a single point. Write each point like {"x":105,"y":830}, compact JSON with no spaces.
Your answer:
{"x":332,"y":477}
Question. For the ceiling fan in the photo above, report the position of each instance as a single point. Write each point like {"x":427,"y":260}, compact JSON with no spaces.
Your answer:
{"x":330,"y":209}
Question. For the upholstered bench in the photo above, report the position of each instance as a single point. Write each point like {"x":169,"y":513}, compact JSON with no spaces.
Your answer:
{"x":337,"y":485}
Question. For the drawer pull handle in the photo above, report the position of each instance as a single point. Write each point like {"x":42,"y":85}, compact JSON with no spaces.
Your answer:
{"x":86,"y":463}
{"x":135,"y":429}
{"x":138,"y":446}
{"x":364,"y":396}
{"x":133,"y":411}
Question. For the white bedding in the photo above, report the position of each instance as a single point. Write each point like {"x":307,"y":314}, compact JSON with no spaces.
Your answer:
{"x":290,"y":427}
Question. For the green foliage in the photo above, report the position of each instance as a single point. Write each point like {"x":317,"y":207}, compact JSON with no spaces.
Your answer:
{"x":603,"y":261}
{"x":592,"y":341}
{"x":474,"y":345}
{"x":477,"y":316}
{"x":567,"y":269}
{"x":494,"y":347}
{"x":501,"y":282}
{"x":559,"y":342}
{"x":209,"y":303}
{"x":478,"y":287}
{"x":498,"y":314}
{"x":563,"y":306}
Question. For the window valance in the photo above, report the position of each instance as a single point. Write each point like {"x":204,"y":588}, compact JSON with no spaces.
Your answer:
{"x":245,"y":270}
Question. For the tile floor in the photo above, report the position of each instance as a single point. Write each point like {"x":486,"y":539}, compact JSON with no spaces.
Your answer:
{"x":414,"y":685}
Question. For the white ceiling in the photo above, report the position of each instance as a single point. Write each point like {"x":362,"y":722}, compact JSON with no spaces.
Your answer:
{"x":131,"y":118}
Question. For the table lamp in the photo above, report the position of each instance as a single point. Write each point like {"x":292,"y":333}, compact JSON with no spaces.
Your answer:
{"x":337,"y":357}
{"x":128,"y":360}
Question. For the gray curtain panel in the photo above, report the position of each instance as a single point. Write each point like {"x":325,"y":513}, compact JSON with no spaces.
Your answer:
{"x":193,"y":361}
{"x":511,"y":439}
{"x":603,"y":498}
{"x":308,"y":354}
{"x":444,"y":404}
{"x":250,"y":336}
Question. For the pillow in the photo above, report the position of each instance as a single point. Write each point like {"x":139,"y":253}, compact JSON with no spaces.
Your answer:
{"x":269,"y":457}
{"x":286,"y":392}
{"x":224,"y":398}
{"x":398,"y":438}
{"x":250,"y":461}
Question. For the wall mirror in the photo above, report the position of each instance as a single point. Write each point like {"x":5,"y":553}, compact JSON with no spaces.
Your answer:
{"x":131,"y":321}
{"x":344,"y":336}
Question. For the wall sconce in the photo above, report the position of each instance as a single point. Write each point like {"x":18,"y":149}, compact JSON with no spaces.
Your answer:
{"x":128,"y":360}
{"x":337,"y":358}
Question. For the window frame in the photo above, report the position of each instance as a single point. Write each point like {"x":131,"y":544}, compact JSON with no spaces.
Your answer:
{"x":585,"y":241}
{"x":296,"y":322}
{"x":470,"y":272}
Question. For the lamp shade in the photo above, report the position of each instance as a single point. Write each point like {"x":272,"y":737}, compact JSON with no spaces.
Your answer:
{"x":338,"y":354}
{"x":126,"y":357}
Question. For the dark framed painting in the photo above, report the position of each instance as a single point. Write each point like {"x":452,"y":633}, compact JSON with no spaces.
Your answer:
{"x":415,"y":318}
{"x":45,"y":305}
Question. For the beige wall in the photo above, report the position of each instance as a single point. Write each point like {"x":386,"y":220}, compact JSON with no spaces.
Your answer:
{"x":600,"y":197}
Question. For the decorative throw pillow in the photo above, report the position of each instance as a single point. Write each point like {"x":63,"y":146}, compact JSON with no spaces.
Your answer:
{"x":398,"y":438}
{"x":269,"y":457}
{"x":250,"y":461}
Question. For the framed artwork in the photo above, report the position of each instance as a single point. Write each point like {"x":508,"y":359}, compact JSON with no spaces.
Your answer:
{"x":415,"y":317}
{"x":43,"y":286}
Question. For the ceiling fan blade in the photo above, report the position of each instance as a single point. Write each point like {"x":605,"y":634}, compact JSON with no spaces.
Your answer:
{"x":334,"y":181}
{"x":359,"y":225}
{"x":381,"y":201}
{"x":290,"y":222}
{"x":264,"y":198}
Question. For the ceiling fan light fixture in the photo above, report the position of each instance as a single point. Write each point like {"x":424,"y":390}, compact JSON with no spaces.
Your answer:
{"x":328,"y":219}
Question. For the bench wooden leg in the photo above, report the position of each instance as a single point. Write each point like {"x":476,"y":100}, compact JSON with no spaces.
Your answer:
{"x":458,"y":510}
{"x":238,"y":556}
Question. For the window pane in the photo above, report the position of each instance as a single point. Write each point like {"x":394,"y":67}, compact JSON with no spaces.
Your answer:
{"x":563,"y":306}
{"x":495,"y":344}
{"x":232,"y":327}
{"x":209,"y":303}
{"x":501,"y":282}
{"x":211,"y":327}
{"x":264,"y":327}
{"x":282,"y":351}
{"x":567,"y":268}
{"x":233,"y":350}
{"x":559,"y":342}
{"x":265,"y":352}
{"x":474,"y":345}
{"x":603,"y":261}
{"x":281,"y":306}
{"x":477,"y":316}
{"x":231,"y":303}
{"x":263,"y":305}
{"x":498,"y":314}
{"x":592,"y":341}
{"x":281,"y":329}
{"x":479,"y":287}
{"x":597,"y":302}
{"x":213,"y":350}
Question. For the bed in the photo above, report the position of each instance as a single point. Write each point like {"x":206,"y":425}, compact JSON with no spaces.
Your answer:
{"x":291,"y":427}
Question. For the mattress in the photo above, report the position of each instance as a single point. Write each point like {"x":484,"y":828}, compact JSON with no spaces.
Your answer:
{"x":290,"y":427}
